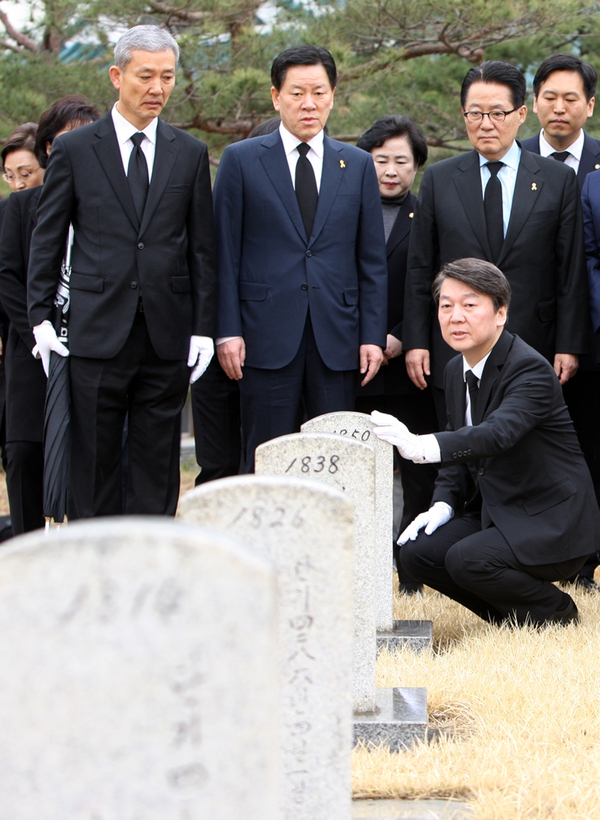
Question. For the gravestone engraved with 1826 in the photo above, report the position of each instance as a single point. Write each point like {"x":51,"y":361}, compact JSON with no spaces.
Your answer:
{"x":138,"y":671}
{"x":306,"y":529}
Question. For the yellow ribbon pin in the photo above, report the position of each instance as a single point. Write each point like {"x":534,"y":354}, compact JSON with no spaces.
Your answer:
{"x":342,"y":164}
{"x":534,"y":186}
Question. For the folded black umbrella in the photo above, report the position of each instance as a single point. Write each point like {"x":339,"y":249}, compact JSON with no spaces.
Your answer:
{"x":57,"y":412}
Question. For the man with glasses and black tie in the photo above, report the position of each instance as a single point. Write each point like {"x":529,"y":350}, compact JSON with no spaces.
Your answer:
{"x":500,"y":203}
{"x":302,"y":261}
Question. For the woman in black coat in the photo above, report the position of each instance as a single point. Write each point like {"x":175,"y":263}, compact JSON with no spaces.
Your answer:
{"x":25,"y":378}
{"x":399,"y":149}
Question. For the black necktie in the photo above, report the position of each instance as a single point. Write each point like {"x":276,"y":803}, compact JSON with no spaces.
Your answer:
{"x":560,"y":155}
{"x":473,"y":392}
{"x":492,"y":205}
{"x":137,"y":175}
{"x":306,"y":188}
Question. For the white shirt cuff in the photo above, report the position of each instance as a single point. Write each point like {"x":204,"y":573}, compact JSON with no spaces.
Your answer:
{"x":222,"y":339}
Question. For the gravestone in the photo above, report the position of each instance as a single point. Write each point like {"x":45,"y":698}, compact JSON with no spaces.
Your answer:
{"x":306,"y":530}
{"x":349,"y":465}
{"x":138,"y":671}
{"x":391,"y":634}
{"x":391,"y":717}
{"x":360,"y":427}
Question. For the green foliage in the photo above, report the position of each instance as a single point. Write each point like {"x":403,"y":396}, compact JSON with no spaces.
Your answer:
{"x":400,"y":56}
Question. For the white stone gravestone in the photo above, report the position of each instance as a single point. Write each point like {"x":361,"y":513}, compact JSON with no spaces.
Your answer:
{"x":306,"y":529}
{"x":138,"y":672}
{"x":360,"y":427}
{"x":349,"y":465}
{"x":391,"y":717}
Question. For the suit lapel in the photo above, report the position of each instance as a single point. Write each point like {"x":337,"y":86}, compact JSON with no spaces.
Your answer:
{"x":275,"y":164}
{"x":334,"y":169}
{"x":33,"y":206}
{"x":468,"y":184}
{"x":109,"y":155}
{"x":528,"y":188}
{"x":456,"y":397}
{"x":402,"y":225}
{"x":590,"y":159}
{"x":491,"y":374}
{"x":164,"y":160}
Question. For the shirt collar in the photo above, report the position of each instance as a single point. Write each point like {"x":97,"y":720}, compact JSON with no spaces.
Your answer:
{"x":575,"y":149}
{"x":290,"y":142}
{"x":511,"y":158}
{"x":478,"y":369}
{"x":125,"y":130}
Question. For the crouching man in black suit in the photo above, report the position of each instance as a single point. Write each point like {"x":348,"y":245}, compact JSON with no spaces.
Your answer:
{"x":513,"y":507}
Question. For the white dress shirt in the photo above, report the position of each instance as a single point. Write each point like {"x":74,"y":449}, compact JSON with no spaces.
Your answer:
{"x":507,"y":176}
{"x":125,"y":130}
{"x":575,"y":150}
{"x":315,"y":155}
{"x":478,"y":372}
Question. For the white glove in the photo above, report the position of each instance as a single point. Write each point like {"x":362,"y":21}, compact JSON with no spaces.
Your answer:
{"x":420,"y":449}
{"x":47,"y":342}
{"x":201,"y":352}
{"x":435,"y":517}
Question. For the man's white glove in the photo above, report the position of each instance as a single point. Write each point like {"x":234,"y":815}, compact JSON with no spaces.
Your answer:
{"x":435,"y":517}
{"x":201,"y":352}
{"x":47,"y":343}
{"x":420,"y":449}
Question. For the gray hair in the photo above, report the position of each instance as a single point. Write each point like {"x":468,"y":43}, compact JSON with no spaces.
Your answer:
{"x":478,"y":274}
{"x":144,"y":38}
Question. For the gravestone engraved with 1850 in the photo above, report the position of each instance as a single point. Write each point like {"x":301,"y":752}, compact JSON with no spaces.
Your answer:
{"x":138,"y":671}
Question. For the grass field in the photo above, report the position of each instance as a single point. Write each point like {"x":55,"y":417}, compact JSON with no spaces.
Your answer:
{"x":518,"y":713}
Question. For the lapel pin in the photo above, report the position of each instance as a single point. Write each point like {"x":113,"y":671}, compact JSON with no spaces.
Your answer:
{"x":342,"y":164}
{"x":596,"y":166}
{"x":534,"y":186}
{"x":411,"y":214}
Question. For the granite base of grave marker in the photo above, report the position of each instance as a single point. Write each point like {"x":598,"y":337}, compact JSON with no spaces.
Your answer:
{"x":400,"y":720}
{"x":306,"y":530}
{"x":138,"y":671}
{"x":348,"y":465}
{"x":359,"y":426}
{"x":418,"y":635}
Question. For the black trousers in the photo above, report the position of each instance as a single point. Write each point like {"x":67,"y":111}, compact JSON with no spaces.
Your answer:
{"x":273,"y":402}
{"x":478,"y":569}
{"x":216,"y":414}
{"x":152,"y":392}
{"x":24,"y":484}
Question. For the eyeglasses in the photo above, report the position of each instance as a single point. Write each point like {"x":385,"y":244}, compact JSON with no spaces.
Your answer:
{"x":475,"y":117}
{"x":24,"y":175}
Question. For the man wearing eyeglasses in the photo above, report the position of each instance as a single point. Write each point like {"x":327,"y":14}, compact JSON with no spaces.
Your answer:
{"x":500,"y":203}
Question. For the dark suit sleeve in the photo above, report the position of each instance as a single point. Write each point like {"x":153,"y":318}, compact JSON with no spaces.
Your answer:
{"x":423,"y":256}
{"x":229,"y":220}
{"x":572,"y":295}
{"x":371,"y":262}
{"x":592,"y":248}
{"x":527,"y":401}
{"x":13,"y":270}
{"x":202,"y":260}
{"x":49,"y":238}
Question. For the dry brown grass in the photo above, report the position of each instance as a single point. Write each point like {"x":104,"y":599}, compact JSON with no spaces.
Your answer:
{"x":518,"y":710}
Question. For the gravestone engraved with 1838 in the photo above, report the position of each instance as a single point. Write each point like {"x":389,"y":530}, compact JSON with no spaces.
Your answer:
{"x":349,"y":465}
{"x":138,"y":671}
{"x":306,"y":529}
{"x":360,"y":427}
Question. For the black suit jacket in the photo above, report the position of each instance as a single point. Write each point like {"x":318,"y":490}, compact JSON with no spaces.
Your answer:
{"x":393,"y":378}
{"x":25,"y":379}
{"x":590,"y":156}
{"x":169,"y":258}
{"x":542,"y":256}
{"x":522,"y":454}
